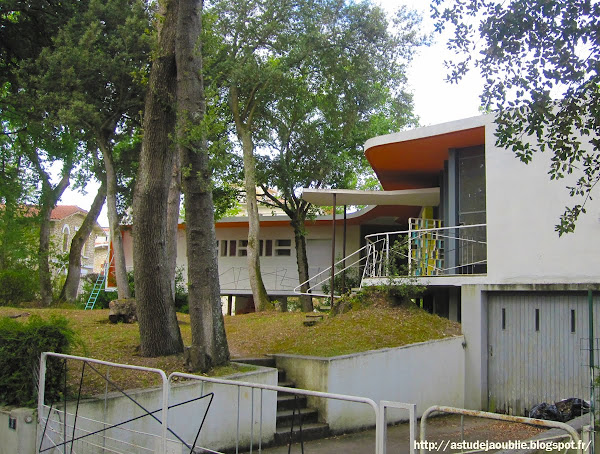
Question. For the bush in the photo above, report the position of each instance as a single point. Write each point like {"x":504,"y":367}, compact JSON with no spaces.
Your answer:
{"x":181,"y":293}
{"x":389,"y":295}
{"x":17,"y":286}
{"x":21,"y":345}
{"x":352,"y":281}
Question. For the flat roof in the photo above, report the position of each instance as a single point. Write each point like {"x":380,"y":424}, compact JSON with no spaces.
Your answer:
{"x":414,"y":159}
{"x":407,"y":197}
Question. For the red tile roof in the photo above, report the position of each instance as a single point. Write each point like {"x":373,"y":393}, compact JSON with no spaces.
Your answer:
{"x":63,"y":211}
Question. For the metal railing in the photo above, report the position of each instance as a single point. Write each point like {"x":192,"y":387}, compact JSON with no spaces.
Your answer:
{"x":51,"y":436}
{"x":295,"y":391}
{"x":314,"y":284}
{"x":427,"y":252}
{"x":82,"y":427}
{"x":570,"y":431}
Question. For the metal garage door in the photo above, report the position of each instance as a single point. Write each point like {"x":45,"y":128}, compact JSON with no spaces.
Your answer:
{"x":537,"y":348}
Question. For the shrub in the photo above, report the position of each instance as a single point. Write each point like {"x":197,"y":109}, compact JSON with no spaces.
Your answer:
{"x":389,"y":295}
{"x":352,"y":281}
{"x":17,"y":286}
{"x":21,"y":345}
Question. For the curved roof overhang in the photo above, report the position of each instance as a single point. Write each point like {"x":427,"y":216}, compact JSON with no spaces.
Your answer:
{"x":414,"y":159}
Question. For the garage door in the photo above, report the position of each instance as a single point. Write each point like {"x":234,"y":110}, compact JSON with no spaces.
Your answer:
{"x":537,"y":348}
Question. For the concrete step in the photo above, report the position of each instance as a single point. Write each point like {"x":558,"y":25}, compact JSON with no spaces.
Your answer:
{"x":306,"y":415}
{"x":311,"y":431}
{"x":288,"y":401}
{"x":285,"y":384}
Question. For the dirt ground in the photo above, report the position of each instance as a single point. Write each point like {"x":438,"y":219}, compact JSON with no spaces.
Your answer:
{"x":441,"y":429}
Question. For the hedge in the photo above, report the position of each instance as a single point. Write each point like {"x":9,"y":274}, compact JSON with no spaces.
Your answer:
{"x":21,"y":345}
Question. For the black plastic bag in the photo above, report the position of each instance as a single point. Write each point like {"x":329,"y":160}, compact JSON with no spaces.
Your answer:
{"x":563,"y":410}
{"x":545,"y":411}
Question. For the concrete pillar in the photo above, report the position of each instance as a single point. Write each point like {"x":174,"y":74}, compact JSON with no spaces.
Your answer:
{"x":453,"y":303}
{"x":474,"y":327}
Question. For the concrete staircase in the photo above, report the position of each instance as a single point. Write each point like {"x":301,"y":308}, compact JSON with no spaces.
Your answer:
{"x":295,"y":420}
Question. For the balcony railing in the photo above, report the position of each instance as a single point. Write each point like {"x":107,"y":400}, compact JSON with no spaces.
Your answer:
{"x":435,"y":251}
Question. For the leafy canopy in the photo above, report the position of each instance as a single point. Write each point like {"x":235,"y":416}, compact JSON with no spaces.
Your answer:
{"x":540,"y":60}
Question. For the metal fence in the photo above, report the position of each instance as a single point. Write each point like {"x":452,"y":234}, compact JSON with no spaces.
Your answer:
{"x":73,"y":426}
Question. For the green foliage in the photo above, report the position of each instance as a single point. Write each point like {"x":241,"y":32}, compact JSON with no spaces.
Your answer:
{"x":21,"y":345}
{"x":181,"y":292}
{"x":104,"y":297}
{"x":540,"y":60}
{"x":398,"y":259}
{"x":17,"y":285}
{"x":352,"y":280}
{"x":18,"y":240}
{"x":382,"y":295}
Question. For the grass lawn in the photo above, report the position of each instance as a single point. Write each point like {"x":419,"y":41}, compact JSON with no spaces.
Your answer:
{"x":253,"y":335}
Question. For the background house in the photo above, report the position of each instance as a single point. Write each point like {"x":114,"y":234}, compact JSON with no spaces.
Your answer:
{"x":65,"y":222}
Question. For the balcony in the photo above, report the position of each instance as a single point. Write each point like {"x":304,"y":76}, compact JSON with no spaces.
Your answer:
{"x":427,"y":249}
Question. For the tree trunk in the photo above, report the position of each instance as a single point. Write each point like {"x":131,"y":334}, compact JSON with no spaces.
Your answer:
{"x":261,"y":298}
{"x":297,"y":222}
{"x":44,"y":253}
{"x":259,"y":293}
{"x":173,"y":204}
{"x":159,"y":331}
{"x":114,"y":223}
{"x":48,"y":201}
{"x":209,"y":343}
{"x":69,"y":290}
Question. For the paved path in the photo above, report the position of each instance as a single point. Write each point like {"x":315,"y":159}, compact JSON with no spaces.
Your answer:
{"x":439,"y":429}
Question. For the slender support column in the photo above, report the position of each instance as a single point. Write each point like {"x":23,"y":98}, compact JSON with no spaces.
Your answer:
{"x":333,"y":247}
{"x":344,"y":253}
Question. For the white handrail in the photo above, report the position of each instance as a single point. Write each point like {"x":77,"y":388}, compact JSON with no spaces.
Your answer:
{"x":327,"y":272}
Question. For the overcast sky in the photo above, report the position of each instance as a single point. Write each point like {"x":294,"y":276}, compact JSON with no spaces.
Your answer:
{"x":435,"y":100}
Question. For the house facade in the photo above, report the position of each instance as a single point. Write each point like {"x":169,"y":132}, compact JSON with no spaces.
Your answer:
{"x":490,"y":257}
{"x":476,"y":226}
{"x":277,"y":252}
{"x":65,"y":221}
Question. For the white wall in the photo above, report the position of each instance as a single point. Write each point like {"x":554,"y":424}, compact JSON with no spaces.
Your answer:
{"x":474,"y":327}
{"x":219,"y":430}
{"x":280,"y":273}
{"x":523,"y":206}
{"x":426,"y":374}
{"x":20,"y":440}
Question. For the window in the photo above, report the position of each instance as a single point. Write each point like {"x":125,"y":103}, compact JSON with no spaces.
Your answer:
{"x":223,"y":248}
{"x":232,"y":247}
{"x":283,"y":248}
{"x":572,"y":320}
{"x":265,"y":248}
{"x":242,"y":248}
{"x":503,"y":318}
{"x":537,"y":319}
{"x":65,"y":231}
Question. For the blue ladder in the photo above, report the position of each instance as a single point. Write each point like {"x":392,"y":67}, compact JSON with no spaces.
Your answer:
{"x":98,"y":286}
